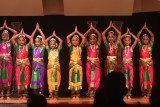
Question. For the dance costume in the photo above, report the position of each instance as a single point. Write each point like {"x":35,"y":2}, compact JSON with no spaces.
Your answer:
{"x":93,"y":71}
{"x":5,"y":67}
{"x":53,"y":71}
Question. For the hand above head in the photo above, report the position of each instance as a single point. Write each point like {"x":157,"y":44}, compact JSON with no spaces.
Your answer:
{"x":54,"y":33}
{"x":91,"y":26}
{"x":37,"y":26}
{"x":22,"y":31}
{"x":128,"y":30}
{"x":111,"y":24}
{"x":145,"y":25}
{"x":76,"y":30}
{"x":5,"y":24}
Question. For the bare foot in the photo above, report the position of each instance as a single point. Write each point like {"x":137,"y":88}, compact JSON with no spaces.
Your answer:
{"x":24,"y":98}
{"x":20,"y":98}
{"x":54,"y":98}
{"x":147,"y":97}
{"x":77,"y":98}
{"x":125,"y":98}
{"x":91,"y":97}
{"x":1,"y":98}
{"x":73,"y":98}
{"x":8,"y":98}
{"x":129,"y":97}
{"x":51,"y":98}
{"x":144,"y":97}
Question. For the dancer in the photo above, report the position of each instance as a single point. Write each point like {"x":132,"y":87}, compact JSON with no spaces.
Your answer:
{"x":111,"y":47}
{"x":127,"y":63}
{"x":22,"y":66}
{"x":146,"y":62}
{"x":53,"y":67}
{"x":93,"y":70}
{"x":75,"y":65}
{"x":5,"y":61}
{"x":38,"y":67}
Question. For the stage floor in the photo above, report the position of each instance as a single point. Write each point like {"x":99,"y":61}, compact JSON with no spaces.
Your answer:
{"x":68,"y":100}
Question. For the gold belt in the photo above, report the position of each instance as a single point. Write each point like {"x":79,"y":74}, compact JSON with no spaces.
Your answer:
{"x":73,"y":59}
{"x":145,"y":59}
{"x":22,"y":60}
{"x":37,"y":59}
{"x":127,"y":60}
{"x":49,"y":62}
{"x":4,"y":54}
{"x":111,"y":58}
{"x":92,"y":58}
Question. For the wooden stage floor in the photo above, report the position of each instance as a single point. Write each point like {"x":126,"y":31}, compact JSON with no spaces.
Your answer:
{"x":68,"y":100}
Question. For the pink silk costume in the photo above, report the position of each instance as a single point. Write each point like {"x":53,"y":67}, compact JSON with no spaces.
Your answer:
{"x":5,"y":65}
{"x":127,"y":68}
{"x":93,"y":71}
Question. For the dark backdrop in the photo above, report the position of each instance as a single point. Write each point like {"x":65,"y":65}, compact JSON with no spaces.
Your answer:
{"x":64,"y":25}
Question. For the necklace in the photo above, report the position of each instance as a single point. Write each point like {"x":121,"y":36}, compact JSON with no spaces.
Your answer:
{"x":21,"y":51}
{"x":145,"y":49}
{"x":75,"y":50}
{"x":53,"y":56}
{"x":111,"y":45}
{"x":93,"y":48}
{"x":35,"y":52}
{"x":4,"y":47}
{"x":126,"y":53}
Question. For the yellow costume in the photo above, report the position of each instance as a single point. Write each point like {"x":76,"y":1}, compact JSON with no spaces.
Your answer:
{"x":53,"y":70}
{"x":75,"y":68}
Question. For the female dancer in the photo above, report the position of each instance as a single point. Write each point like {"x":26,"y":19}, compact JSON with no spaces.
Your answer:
{"x":5,"y":61}
{"x":93,"y":70}
{"x":127,"y":53}
{"x":111,"y":47}
{"x":146,"y":62}
{"x":38,"y":68}
{"x":75,"y":65}
{"x":53,"y":67}
{"x":22,"y":70}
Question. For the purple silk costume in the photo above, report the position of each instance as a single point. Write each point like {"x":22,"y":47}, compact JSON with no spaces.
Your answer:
{"x":38,"y":69}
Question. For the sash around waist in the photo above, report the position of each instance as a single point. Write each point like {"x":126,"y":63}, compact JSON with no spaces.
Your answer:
{"x":110,"y":58}
{"x":37,"y":59}
{"x":146,"y":59}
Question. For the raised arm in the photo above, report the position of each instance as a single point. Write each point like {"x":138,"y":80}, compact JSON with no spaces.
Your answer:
{"x":149,"y":31}
{"x":87,"y":32}
{"x":135,"y":38}
{"x":105,"y":31}
{"x":28,"y":36}
{"x":59,"y":39}
{"x":98,"y":33}
{"x":81,"y":35}
{"x":2,"y":27}
{"x":10,"y":29}
{"x":14,"y":37}
{"x":42,"y":34}
{"x":47,"y":40}
{"x":125,"y":33}
{"x":139,"y":33}
{"x":119,"y":33}
{"x":69,"y":36}
{"x":123,"y":36}
{"x":34,"y":32}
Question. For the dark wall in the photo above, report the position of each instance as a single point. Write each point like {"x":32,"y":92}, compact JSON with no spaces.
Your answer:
{"x":64,"y":25}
